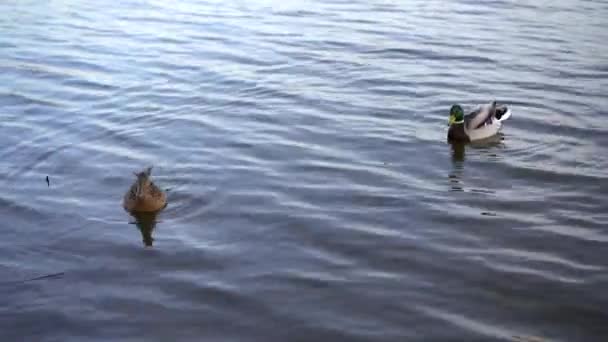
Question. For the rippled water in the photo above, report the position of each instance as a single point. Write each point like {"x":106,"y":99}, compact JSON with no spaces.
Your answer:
{"x":312,"y":195}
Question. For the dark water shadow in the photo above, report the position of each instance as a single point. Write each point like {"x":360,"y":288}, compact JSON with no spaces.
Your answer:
{"x":458,"y":152}
{"x":456,"y":173}
{"x":146,"y":223}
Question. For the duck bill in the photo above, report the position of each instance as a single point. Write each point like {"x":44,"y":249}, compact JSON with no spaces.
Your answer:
{"x":451,"y":120}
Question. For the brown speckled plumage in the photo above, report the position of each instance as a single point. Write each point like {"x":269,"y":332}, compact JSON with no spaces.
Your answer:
{"x":144,"y":195}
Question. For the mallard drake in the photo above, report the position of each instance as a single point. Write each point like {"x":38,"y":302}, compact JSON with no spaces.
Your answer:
{"x":144,"y":195}
{"x":481,"y":124}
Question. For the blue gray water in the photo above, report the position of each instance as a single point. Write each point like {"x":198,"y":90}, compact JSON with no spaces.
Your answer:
{"x":312,"y":195}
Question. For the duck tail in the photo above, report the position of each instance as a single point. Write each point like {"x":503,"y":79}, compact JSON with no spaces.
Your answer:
{"x":489,"y":115}
{"x":500,"y":111}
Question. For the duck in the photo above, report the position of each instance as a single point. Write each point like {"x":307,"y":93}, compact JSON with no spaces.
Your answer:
{"x":482,"y":123}
{"x":144,"y":195}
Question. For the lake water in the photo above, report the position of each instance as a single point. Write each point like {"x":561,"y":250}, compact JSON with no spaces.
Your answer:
{"x":312,"y":194}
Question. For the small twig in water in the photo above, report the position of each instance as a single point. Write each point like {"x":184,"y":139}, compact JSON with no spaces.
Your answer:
{"x":48,"y":276}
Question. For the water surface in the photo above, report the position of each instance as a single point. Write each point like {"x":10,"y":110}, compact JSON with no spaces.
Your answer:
{"x":312,"y":195}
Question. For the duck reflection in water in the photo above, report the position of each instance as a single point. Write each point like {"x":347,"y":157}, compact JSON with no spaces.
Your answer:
{"x":455,"y":176}
{"x":145,"y":222}
{"x":458,"y":152}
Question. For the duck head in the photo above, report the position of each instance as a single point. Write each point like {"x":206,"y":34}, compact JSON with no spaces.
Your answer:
{"x":143,"y":182}
{"x":456,"y":115}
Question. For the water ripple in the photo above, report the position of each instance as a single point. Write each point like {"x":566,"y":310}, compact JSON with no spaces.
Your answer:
{"x":311,"y":192}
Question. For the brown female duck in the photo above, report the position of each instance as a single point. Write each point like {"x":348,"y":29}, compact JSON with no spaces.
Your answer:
{"x":144,"y":195}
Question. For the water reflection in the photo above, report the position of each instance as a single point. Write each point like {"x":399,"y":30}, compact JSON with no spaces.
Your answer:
{"x":458,"y":153}
{"x":456,"y":174}
{"x":145,"y":222}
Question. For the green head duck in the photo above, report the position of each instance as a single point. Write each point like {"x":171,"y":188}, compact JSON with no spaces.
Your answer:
{"x":456,"y":115}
